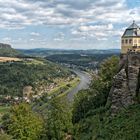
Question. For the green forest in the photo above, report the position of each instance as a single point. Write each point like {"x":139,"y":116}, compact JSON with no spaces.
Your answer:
{"x":90,"y":61}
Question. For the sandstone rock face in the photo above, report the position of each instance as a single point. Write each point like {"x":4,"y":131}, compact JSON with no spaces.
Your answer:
{"x":126,"y":85}
{"x":4,"y":46}
{"x":7,"y":51}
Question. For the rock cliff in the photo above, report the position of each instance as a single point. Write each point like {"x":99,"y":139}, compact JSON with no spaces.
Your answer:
{"x":3,"y":46}
{"x":126,"y":86}
{"x":7,"y":50}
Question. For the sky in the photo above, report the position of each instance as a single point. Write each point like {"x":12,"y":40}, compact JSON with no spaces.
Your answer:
{"x":66,"y":24}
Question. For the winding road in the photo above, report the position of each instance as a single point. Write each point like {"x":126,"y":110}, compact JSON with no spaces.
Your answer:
{"x":85,"y":80}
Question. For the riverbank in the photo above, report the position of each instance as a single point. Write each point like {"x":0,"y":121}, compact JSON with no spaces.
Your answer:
{"x":85,"y":80}
{"x":71,"y":88}
{"x":64,"y":88}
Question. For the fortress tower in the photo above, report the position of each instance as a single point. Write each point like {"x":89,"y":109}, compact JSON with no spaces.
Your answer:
{"x":130,"y":40}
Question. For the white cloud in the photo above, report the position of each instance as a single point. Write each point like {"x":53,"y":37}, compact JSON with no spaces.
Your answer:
{"x":6,"y":39}
{"x":34,"y":34}
{"x":82,"y":19}
{"x":95,"y":31}
{"x":96,"y":27}
{"x":21,"y":13}
{"x":58,"y":39}
{"x":32,"y":39}
{"x":59,"y":36}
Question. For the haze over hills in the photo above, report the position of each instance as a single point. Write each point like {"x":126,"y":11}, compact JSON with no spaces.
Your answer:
{"x":47,"y":51}
{"x":7,"y":51}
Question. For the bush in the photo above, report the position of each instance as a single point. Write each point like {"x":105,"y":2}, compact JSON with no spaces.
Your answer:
{"x":23,"y":123}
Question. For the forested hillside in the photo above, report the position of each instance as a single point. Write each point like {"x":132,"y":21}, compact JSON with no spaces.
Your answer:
{"x":36,"y":73}
{"x":90,"y":61}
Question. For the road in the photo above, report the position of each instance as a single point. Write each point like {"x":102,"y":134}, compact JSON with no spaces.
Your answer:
{"x":85,"y":80}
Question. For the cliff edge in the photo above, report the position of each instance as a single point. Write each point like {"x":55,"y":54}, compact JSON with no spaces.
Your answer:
{"x":126,"y":86}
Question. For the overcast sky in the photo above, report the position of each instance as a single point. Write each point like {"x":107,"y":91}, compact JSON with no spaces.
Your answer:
{"x":69,"y":24}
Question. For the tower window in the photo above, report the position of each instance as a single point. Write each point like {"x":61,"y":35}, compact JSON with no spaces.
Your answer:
{"x":122,"y":41}
{"x":126,"y":41}
{"x":135,"y":41}
{"x":130,"y":41}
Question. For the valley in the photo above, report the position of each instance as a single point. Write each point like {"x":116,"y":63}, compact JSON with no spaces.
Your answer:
{"x":70,"y":70}
{"x":28,"y":78}
{"x":61,"y":82}
{"x":63,"y":95}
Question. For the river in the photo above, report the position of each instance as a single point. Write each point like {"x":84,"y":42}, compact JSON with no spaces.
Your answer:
{"x":85,"y":80}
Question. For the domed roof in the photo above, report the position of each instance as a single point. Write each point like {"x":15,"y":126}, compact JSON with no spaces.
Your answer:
{"x":132,"y":31}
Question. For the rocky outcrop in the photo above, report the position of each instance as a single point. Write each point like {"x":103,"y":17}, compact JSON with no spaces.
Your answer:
{"x":7,"y":51}
{"x":3,"y":46}
{"x":126,"y":85}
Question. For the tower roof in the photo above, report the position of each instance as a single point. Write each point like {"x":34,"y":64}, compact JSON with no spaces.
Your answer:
{"x":133,"y":26}
{"x":132,"y":31}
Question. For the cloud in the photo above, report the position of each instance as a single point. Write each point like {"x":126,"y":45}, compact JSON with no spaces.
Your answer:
{"x":21,"y":13}
{"x":78,"y":20}
{"x":7,"y":39}
{"x":95,"y":31}
{"x":32,"y":39}
{"x":59,"y":37}
{"x":96,"y":27}
{"x":34,"y":34}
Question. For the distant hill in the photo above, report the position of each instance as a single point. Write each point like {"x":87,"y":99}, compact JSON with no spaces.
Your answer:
{"x":7,"y":50}
{"x":47,"y":52}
